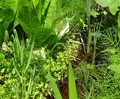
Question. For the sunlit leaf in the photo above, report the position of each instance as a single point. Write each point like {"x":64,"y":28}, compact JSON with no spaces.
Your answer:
{"x":12,"y":4}
{"x":112,"y":4}
{"x":30,"y":23}
{"x":94,"y":13}
{"x":103,"y":3}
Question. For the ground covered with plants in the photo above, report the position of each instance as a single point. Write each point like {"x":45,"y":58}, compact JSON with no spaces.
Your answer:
{"x":59,"y":49}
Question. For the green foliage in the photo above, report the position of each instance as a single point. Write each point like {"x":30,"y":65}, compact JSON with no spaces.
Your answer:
{"x":7,"y":12}
{"x":36,"y":17}
{"x":114,"y":61}
{"x":77,"y":9}
{"x":26,"y":74}
{"x":98,"y":81}
{"x":112,"y":4}
{"x":1,"y":33}
{"x":32,"y":24}
{"x":28,"y":66}
{"x":72,"y":85}
{"x":106,"y":86}
{"x":113,"y":7}
{"x":101,"y":81}
{"x":94,"y":13}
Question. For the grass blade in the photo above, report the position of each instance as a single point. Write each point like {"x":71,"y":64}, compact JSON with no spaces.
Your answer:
{"x":30,"y":85}
{"x":30,"y":57}
{"x":54,"y":87}
{"x":72,"y":85}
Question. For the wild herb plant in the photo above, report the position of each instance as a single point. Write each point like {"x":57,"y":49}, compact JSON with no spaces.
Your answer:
{"x":34,"y":18}
{"x":25,"y":74}
{"x":102,"y":80}
{"x":41,"y":24}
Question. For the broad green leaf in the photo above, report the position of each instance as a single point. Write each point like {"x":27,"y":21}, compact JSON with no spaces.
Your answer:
{"x":11,"y":4}
{"x":1,"y":14}
{"x":39,"y":9}
{"x":54,"y":12}
{"x":43,"y":18}
{"x":55,"y":88}
{"x":1,"y":3}
{"x":28,"y":20}
{"x":6,"y":14}
{"x":8,"y":17}
{"x":103,"y":3}
{"x":112,"y":4}
{"x":28,"y":3}
{"x":35,"y":2}
{"x":72,"y":85}
{"x":41,"y":35}
{"x":1,"y":33}
{"x":51,"y":41}
{"x":31,"y":25}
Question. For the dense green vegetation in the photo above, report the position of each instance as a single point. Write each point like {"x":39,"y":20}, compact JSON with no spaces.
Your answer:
{"x":59,"y":49}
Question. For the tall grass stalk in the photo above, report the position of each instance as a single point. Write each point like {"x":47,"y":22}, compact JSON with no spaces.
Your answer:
{"x":30,"y":57}
{"x":24,"y":84}
{"x":96,"y":35}
{"x":88,"y":9}
{"x":29,"y":90}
